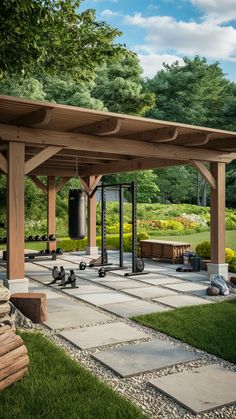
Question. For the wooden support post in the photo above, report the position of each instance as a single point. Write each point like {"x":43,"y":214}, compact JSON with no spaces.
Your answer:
{"x":218,"y":221}
{"x":91,"y":249}
{"x":15,"y":211}
{"x":51,"y":213}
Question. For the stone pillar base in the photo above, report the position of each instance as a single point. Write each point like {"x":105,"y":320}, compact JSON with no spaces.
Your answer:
{"x":219,"y":269}
{"x":93,"y":251}
{"x":16,"y":285}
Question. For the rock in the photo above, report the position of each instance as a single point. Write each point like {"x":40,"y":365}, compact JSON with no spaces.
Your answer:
{"x":213,"y":291}
{"x":32,"y":305}
{"x":19,"y":320}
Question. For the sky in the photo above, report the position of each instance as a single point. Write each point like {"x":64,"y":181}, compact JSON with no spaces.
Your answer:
{"x":167,"y":30}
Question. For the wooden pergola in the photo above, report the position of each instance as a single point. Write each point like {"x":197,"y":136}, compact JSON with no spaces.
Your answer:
{"x":45,"y":139}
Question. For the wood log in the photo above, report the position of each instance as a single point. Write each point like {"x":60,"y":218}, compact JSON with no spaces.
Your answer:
{"x":5,"y":309}
{"x":13,"y":378}
{"x":4,"y":329}
{"x":4,"y":294}
{"x":12,"y":356}
{"x":7,"y":320}
{"x":18,"y":365}
{"x":12,"y":342}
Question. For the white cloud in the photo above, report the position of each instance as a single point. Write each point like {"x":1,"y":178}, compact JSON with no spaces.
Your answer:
{"x":217,"y":10}
{"x":152,"y":63}
{"x":109,"y":13}
{"x":164,"y":33}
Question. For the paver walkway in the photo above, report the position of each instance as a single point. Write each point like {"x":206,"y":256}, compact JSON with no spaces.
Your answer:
{"x":94,"y":315}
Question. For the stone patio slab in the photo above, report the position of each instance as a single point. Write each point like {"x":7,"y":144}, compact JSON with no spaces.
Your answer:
{"x":134,"y":308}
{"x":181,"y":301}
{"x":87,"y":289}
{"x":144,"y":357}
{"x":123,"y":285}
{"x":61,"y":304}
{"x":106,"y":334}
{"x":149,"y":292}
{"x":186,"y":287}
{"x":190,"y":276}
{"x":200,"y":390}
{"x":154,"y":279}
{"x":81,"y":316}
{"x":108,"y":297}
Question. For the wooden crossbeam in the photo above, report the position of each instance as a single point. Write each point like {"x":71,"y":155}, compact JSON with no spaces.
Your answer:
{"x":112,"y":145}
{"x":205,"y":173}
{"x":158,"y":135}
{"x":38,"y":183}
{"x":132,"y":165}
{"x":62,"y":183}
{"x":108,"y":126}
{"x":89,"y":188}
{"x":41,"y":157}
{"x":3,"y":163}
{"x":193,"y":140}
{"x":38,"y":118}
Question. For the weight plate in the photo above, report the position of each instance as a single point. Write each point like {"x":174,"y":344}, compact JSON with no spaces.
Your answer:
{"x":82,"y":266}
{"x":139,"y":265}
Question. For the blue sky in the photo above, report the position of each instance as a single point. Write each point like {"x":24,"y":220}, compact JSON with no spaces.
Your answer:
{"x":166,"y":30}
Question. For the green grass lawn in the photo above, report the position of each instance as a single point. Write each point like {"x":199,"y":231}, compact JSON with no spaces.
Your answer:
{"x":196,"y":238}
{"x":209,"y":327}
{"x":58,"y":388}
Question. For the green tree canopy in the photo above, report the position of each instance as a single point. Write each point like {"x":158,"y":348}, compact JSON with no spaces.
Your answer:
{"x":52,"y":36}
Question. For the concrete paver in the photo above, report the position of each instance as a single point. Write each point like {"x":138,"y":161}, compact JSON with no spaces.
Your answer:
{"x":179,"y":300}
{"x":144,"y":357}
{"x":186,"y":287}
{"x":200,"y":390}
{"x":107,"y":297}
{"x":134,"y":308}
{"x":75,"y":317}
{"x":106,"y":334}
{"x":149,"y":292}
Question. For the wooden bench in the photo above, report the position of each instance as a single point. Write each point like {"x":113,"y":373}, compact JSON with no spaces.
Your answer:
{"x":170,"y":251}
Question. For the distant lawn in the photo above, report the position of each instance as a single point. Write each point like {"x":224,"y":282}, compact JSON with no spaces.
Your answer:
{"x":58,"y":388}
{"x":209,"y":327}
{"x":196,"y":238}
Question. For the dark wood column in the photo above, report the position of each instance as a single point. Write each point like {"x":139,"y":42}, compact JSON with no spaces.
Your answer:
{"x":218,"y":214}
{"x":15,"y":211}
{"x":51,"y":213}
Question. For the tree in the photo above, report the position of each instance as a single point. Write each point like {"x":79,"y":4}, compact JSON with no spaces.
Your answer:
{"x":195,"y":93}
{"x":119,"y":86}
{"x":146,"y":181}
{"x":52,"y":36}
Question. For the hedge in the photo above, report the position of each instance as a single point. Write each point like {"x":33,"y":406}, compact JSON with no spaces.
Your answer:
{"x":203,"y":250}
{"x":68,"y":245}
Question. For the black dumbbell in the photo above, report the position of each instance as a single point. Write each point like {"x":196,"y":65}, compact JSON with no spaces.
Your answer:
{"x":59,"y":251}
{"x":102,"y":273}
{"x":82,"y":266}
{"x":30,"y":239}
{"x":4,"y":240}
{"x":37,"y":238}
{"x":44,"y":238}
{"x":52,"y":237}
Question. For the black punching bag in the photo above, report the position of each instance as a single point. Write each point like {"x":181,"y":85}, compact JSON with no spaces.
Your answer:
{"x":76,"y":214}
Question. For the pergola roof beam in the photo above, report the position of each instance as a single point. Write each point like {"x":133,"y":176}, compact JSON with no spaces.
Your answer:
{"x":111,"y":144}
{"x":108,"y":126}
{"x":158,"y":135}
{"x":37,"y":119}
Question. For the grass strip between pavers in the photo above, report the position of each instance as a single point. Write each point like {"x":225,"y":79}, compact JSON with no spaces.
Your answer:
{"x":209,"y":327}
{"x":57,"y":387}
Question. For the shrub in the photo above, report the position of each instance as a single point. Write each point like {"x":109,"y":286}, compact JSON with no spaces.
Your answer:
{"x":229,"y":255}
{"x":232,"y":264}
{"x":113,"y":242}
{"x":204,"y":250}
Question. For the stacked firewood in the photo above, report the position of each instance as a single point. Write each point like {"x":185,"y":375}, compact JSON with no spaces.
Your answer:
{"x":14,"y":358}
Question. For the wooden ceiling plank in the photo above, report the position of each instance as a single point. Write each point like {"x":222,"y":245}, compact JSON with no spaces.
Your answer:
{"x":205,"y":173}
{"x":39,"y":183}
{"x":37,"y":119}
{"x":111,"y":144}
{"x":157,"y":135}
{"x":41,"y":157}
{"x":108,"y":126}
{"x":3,"y":163}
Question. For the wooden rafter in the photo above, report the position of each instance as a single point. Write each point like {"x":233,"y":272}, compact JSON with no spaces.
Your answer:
{"x":158,"y":135}
{"x":62,"y":183}
{"x":38,"y":183}
{"x":193,"y":140}
{"x":38,"y":118}
{"x":111,"y":144}
{"x":108,"y":126}
{"x":3,"y":163}
{"x":41,"y":157}
{"x":205,"y":173}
